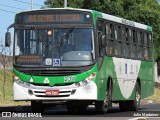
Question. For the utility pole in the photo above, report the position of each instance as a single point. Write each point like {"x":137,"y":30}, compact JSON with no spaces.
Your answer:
{"x":65,"y":3}
{"x":32,"y":4}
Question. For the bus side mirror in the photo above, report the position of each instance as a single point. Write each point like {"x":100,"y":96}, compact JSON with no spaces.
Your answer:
{"x":7,"y":39}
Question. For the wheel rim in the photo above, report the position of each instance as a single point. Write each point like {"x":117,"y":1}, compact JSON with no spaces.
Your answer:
{"x":106,"y":102}
{"x":104,"y":106}
{"x":137,"y":97}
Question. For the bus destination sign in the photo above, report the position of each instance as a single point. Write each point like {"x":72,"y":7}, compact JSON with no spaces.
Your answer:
{"x":53,"y":18}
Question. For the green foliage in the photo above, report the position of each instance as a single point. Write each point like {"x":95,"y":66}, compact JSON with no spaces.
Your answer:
{"x":8,"y":100}
{"x":143,"y":11}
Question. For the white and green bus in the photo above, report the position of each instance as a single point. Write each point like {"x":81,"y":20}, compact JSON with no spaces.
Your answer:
{"x":81,"y":57}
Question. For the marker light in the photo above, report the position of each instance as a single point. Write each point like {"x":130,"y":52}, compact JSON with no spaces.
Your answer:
{"x":16,"y":78}
{"x":92,"y":76}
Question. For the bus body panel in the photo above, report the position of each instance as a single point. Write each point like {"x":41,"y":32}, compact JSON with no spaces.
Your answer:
{"x":124,"y":74}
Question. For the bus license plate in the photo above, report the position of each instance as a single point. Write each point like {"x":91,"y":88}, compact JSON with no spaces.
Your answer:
{"x":52,"y":92}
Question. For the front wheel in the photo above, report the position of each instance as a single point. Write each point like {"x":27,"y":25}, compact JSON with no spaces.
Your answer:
{"x":102,"y":106}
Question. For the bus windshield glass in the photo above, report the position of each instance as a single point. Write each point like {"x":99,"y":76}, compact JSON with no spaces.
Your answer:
{"x":54,"y":47}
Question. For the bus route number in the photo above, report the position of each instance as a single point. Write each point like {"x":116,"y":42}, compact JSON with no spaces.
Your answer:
{"x":70,"y":79}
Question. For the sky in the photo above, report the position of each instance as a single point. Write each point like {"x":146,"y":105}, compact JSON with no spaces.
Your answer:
{"x":8,"y":9}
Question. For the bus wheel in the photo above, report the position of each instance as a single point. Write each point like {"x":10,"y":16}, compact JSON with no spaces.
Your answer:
{"x":76,"y":106}
{"x":134,"y":104}
{"x":37,"y":106}
{"x":102,"y":106}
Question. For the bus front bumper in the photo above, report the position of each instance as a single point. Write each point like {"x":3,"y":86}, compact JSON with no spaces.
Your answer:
{"x":69,"y":92}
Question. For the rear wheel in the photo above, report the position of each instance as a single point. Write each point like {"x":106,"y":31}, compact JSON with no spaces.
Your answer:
{"x":37,"y":106}
{"x":134,"y":104}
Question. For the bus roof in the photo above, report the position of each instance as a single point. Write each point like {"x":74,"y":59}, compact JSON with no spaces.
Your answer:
{"x":104,"y":16}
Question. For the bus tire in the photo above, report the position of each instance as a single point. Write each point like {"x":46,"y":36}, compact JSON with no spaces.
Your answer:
{"x":37,"y":106}
{"x":102,"y":106}
{"x":134,"y":104}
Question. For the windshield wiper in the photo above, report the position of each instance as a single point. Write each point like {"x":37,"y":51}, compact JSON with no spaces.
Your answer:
{"x":41,"y":37}
{"x":65,"y":36}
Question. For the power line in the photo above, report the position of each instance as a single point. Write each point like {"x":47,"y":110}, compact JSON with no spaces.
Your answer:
{"x":11,"y":7}
{"x":7,"y":11}
{"x":26,"y":2}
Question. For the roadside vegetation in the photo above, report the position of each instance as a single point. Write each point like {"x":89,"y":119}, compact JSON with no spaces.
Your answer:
{"x":156,"y":95}
{"x":8,"y":100}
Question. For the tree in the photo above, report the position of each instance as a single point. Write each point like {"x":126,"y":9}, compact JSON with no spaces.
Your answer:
{"x":5,"y":60}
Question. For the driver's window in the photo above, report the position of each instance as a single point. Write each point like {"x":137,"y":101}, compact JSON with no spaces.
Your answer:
{"x":101,"y":30}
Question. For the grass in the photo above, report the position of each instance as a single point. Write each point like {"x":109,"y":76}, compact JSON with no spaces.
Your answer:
{"x":8,"y":100}
{"x":156,"y":95}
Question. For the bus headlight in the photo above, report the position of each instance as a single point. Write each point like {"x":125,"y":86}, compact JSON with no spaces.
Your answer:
{"x":77,"y":84}
{"x":85,"y":82}
{"x":20,"y":82}
{"x":92,"y":76}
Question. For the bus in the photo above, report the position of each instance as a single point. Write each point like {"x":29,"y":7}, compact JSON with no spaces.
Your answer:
{"x":81,"y":57}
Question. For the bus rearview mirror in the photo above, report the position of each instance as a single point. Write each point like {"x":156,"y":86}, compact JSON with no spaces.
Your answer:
{"x":7,"y":39}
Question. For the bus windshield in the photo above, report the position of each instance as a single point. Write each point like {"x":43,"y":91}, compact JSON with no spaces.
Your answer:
{"x":54,"y":47}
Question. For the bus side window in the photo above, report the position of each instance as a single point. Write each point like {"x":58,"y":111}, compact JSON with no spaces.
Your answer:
{"x":133,"y":44}
{"x":142,"y":45}
{"x":118,"y":42}
{"x":107,"y":31}
{"x":111,"y":31}
{"x":139,"y":45}
{"x":107,"y":37}
{"x":110,"y":41}
{"x":100,"y":31}
{"x":146,"y":57}
{"x":149,"y":43}
{"x":126,"y":45}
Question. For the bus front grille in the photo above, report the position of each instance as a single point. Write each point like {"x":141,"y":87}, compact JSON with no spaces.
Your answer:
{"x":52,"y":96}
{"x":42,"y":93}
{"x":51,"y":72}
